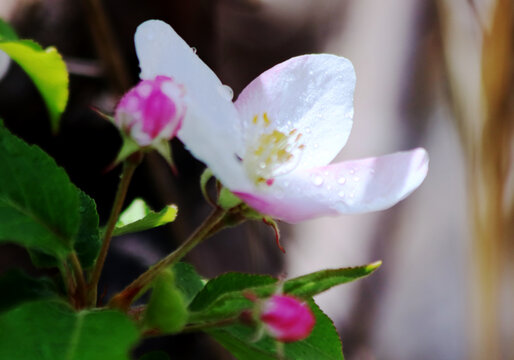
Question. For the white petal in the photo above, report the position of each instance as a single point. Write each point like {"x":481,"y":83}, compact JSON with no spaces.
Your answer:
{"x":211,"y":128}
{"x":348,"y":187}
{"x":310,"y":93}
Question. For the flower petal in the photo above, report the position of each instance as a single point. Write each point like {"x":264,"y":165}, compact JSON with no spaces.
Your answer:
{"x":211,"y":128}
{"x":347,"y":187}
{"x":312,"y":94}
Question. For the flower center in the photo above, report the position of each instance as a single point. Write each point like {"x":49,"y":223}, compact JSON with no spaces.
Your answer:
{"x":270,"y":152}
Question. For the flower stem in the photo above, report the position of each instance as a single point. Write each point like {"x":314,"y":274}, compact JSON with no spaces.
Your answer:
{"x":81,"y":289}
{"x":212,"y":224}
{"x":128,"y":170}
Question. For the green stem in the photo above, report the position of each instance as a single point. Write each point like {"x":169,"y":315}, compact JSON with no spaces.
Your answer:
{"x":81,"y":288}
{"x":212,"y":224}
{"x":128,"y":170}
{"x":210,"y":325}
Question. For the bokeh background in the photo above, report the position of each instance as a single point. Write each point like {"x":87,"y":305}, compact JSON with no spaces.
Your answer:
{"x":437,"y":74}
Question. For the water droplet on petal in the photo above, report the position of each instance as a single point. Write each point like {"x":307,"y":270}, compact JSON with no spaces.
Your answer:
{"x":307,"y":130}
{"x":262,"y":165}
{"x":315,"y":146}
{"x":352,"y":171}
{"x":356,"y":178}
{"x":341,"y":180}
{"x":227,"y":92}
{"x":193,"y":49}
{"x":340,"y":194}
{"x":318,"y":180}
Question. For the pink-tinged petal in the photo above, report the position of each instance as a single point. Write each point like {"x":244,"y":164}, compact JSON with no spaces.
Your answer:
{"x":287,"y":318}
{"x":211,"y":130}
{"x":151,"y":111}
{"x":348,"y":187}
{"x":311,"y":95}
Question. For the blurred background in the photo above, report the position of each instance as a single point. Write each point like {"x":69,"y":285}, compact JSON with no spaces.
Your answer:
{"x":436,"y":74}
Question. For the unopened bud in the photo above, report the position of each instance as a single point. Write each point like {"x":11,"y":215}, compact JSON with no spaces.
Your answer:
{"x":287,"y":318}
{"x":152,"y":110}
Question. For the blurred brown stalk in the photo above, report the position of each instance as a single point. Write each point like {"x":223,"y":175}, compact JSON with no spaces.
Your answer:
{"x":486,"y":129}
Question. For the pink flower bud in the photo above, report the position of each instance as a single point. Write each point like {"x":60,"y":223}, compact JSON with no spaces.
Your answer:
{"x":287,"y":318}
{"x":152,"y":110}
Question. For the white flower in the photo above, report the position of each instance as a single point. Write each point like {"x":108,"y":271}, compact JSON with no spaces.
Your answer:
{"x":273,"y":146}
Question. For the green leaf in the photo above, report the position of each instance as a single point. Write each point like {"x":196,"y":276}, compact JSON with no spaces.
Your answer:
{"x":88,"y":242}
{"x":17,"y":287}
{"x":155,"y":355}
{"x":317,"y":282}
{"x":166,"y":309}
{"x":232,"y":283}
{"x":138,"y":217}
{"x":50,"y":330}
{"x":7,"y":32}
{"x":47,"y":70}
{"x":223,"y":297}
{"x":322,"y":344}
{"x":187,"y":280}
{"x":39,"y":206}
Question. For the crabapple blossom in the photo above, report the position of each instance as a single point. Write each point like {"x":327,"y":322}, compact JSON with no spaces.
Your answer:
{"x":287,"y":318}
{"x":151,"y":111}
{"x":274,"y":145}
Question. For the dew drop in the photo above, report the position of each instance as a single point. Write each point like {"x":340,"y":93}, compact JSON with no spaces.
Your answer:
{"x":341,"y":180}
{"x":227,"y":92}
{"x":318,"y":180}
{"x":356,"y":178}
{"x":193,"y":49}
{"x":340,"y":194}
{"x":352,"y":171}
{"x":307,"y":130}
{"x":262,"y":165}
{"x":315,"y":146}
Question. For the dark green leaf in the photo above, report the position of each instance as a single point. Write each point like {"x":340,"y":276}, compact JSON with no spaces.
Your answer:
{"x":7,"y":32}
{"x":322,"y":344}
{"x":223,"y":297}
{"x":16,"y":287}
{"x":228,"y":283}
{"x":50,"y":330}
{"x":39,"y":206}
{"x":47,"y":70}
{"x":187,"y":280}
{"x":87,"y":242}
{"x":138,"y":217}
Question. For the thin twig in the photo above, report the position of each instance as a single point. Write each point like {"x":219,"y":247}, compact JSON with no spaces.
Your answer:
{"x":128,"y":170}
{"x":211,"y":225}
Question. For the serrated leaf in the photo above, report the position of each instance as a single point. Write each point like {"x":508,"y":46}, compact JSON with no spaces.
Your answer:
{"x":166,"y":309}
{"x":39,"y":206}
{"x":139,"y":217}
{"x":317,"y":282}
{"x":229,"y":283}
{"x":51,"y":330}
{"x":187,"y":280}
{"x":87,"y":241}
{"x":322,"y":344}
{"x":223,"y":297}
{"x":17,"y":287}
{"x":47,"y":70}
